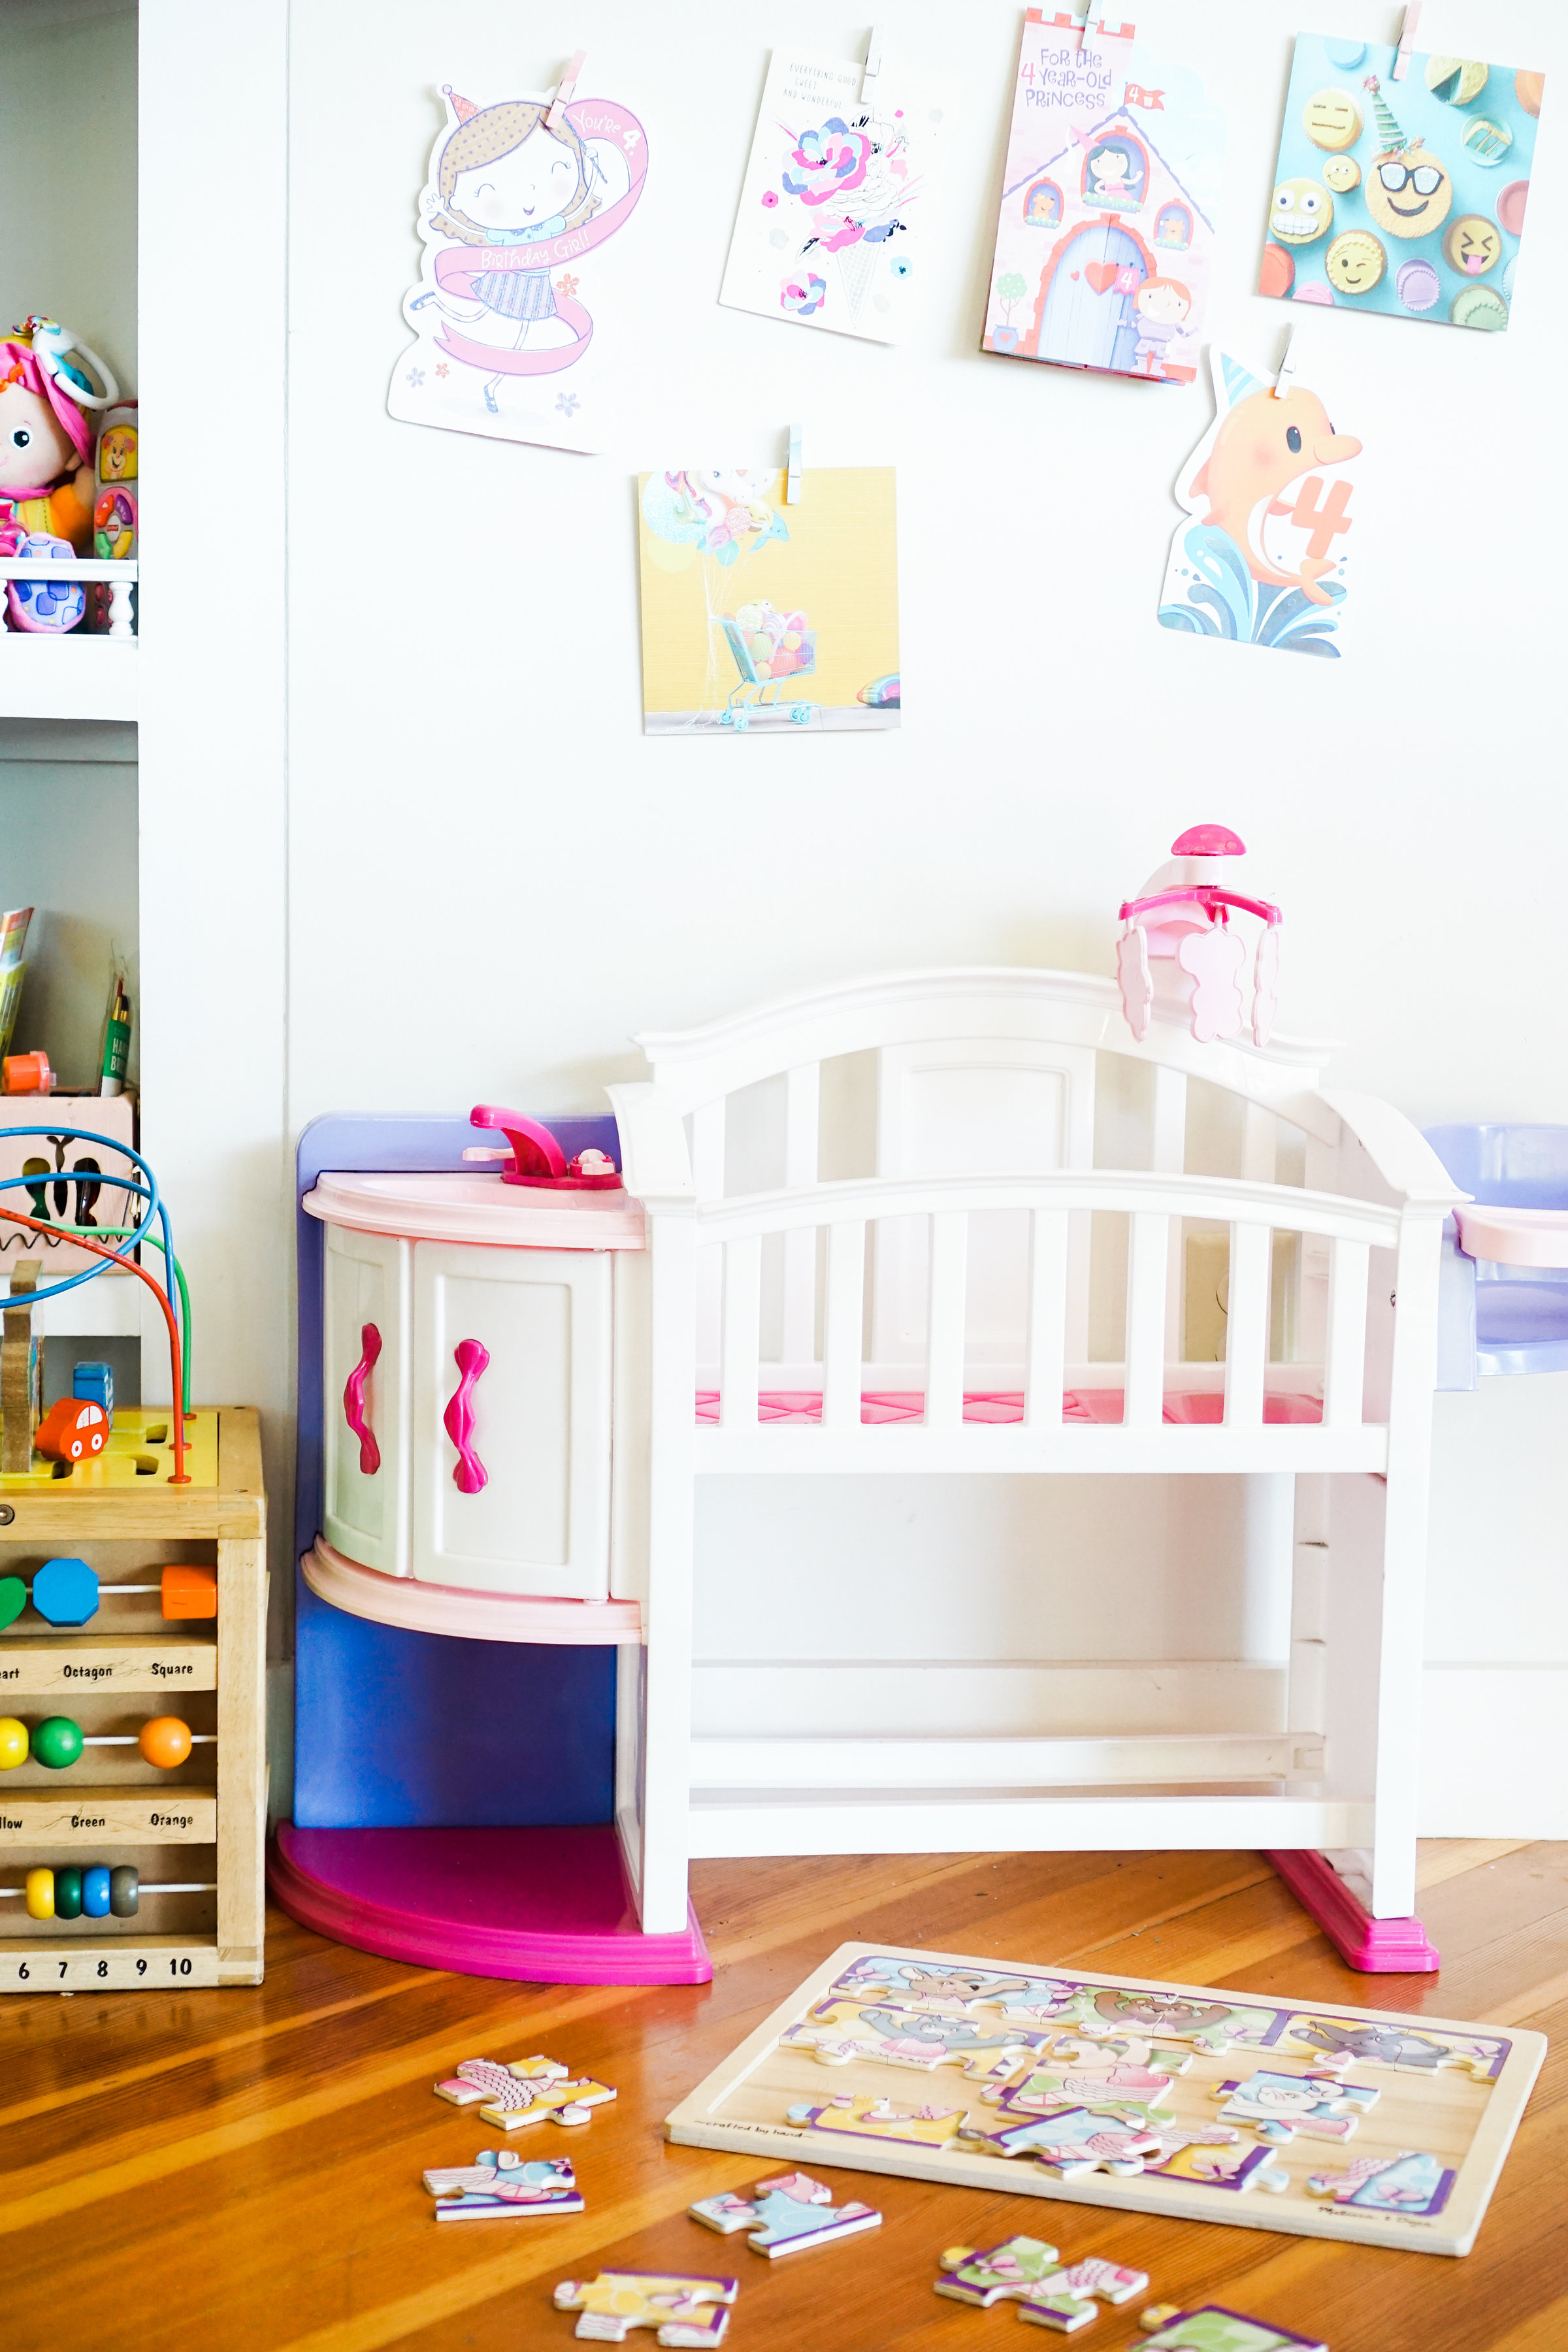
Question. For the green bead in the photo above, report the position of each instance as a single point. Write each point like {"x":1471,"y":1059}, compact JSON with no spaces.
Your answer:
{"x":68,"y":1894}
{"x":57,"y":1742}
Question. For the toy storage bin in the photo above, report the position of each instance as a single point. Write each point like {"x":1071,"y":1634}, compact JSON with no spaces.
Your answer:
{"x":1521,"y":1309}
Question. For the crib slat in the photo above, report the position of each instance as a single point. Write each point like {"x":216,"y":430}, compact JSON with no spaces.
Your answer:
{"x":944,"y":1328}
{"x":1148,"y":1244}
{"x":803,"y":1093}
{"x":1048,"y":1317}
{"x":1344,"y":1350}
{"x":742,"y":1334}
{"x":843,"y":1325}
{"x":1246,"y":1335}
{"x":1169,"y":1158}
{"x":708,"y":1149}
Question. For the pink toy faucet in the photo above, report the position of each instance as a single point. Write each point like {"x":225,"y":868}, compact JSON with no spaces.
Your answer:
{"x":536,"y":1158}
{"x":1191,"y":901}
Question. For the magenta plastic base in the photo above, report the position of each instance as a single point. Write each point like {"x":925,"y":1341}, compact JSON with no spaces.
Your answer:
{"x":1376,"y":1946}
{"x":545,"y":1905}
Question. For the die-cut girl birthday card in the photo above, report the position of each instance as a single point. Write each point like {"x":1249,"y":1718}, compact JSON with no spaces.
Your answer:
{"x":1268,"y":494}
{"x":522,"y":272}
{"x":833,"y":222}
{"x":1402,"y":192}
{"x":1105,"y":234}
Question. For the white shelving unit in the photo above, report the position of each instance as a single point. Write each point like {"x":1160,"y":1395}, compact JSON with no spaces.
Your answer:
{"x":68,"y":677}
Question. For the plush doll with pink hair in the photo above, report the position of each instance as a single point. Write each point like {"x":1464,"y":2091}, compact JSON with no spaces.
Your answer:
{"x":46,"y":439}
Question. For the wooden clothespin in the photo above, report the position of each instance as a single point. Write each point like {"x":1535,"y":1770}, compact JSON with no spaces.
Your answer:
{"x":1406,"y":38}
{"x":873,"y":67}
{"x":1285,"y":380}
{"x":1081,"y":12}
{"x":567,"y":91}
{"x":793,"y":479}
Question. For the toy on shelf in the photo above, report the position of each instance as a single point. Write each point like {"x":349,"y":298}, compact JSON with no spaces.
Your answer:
{"x":96,"y":1892}
{"x":1181,"y":920}
{"x":116,"y":513}
{"x":73,"y":1430}
{"x":523,"y":2091}
{"x":43,"y":605}
{"x":688,"y":2313}
{"x":501,"y":2186}
{"x":164,"y":1739}
{"x":95,"y":1383}
{"x":29,"y":1074}
{"x":785,"y":2215}
{"x":67,"y":1592}
{"x":46,"y":438}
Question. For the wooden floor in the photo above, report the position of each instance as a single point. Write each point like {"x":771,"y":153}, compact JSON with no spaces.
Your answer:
{"x":219,"y":2171}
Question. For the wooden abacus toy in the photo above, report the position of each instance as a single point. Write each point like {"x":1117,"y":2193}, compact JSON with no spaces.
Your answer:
{"x":67,"y":1592}
{"x":163,"y":1741}
{"x":98,"y":1891}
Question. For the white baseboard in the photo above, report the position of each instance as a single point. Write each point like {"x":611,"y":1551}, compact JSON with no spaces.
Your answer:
{"x":1494,"y":1751}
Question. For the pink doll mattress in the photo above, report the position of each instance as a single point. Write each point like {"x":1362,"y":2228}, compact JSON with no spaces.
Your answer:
{"x":1189,"y":1406}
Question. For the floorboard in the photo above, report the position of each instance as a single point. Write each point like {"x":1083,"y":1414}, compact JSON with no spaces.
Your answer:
{"x":241,"y":2168}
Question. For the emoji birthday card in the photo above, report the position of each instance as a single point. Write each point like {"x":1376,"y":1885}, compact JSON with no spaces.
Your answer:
{"x":1268,"y":494}
{"x":1401,"y":189}
{"x":1105,"y":235}
{"x":833,"y":223}
{"x":763,"y":618}
{"x":522,"y":269}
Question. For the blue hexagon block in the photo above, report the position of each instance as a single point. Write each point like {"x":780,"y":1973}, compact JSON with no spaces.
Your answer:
{"x":64,"y":1591}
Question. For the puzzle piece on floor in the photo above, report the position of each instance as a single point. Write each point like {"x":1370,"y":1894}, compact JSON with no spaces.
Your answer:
{"x":785,"y":2214}
{"x":1072,"y":2142}
{"x":523,"y":2091}
{"x":1278,"y":2106}
{"x":1026,"y":2271}
{"x":836,"y":2031}
{"x":688,"y":2311}
{"x":1366,"y":2044}
{"x":1410,"y":2182}
{"x":1217,"y":2159}
{"x":1213,"y":2328}
{"x":858,"y":2116}
{"x":499,"y":2186}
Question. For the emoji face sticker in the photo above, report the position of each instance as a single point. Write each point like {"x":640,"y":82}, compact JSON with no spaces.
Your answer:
{"x":1355,"y":262}
{"x":1341,"y":174}
{"x":1472,"y":247}
{"x":1456,"y":81}
{"x":1332,"y":119}
{"x":1302,"y":212}
{"x":1409,"y":193}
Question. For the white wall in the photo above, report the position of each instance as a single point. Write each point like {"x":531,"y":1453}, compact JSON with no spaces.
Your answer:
{"x":489,"y":889}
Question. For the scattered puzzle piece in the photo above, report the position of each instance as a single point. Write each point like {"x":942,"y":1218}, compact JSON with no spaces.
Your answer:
{"x":1025,"y":2271}
{"x":1213,"y":2328}
{"x":786,"y":2214}
{"x":1411,"y":2182}
{"x":1278,"y":2106}
{"x":523,"y":2091}
{"x":861,"y":2116}
{"x":1393,"y":2045}
{"x":499,"y":2186}
{"x":688,"y":2311}
{"x":1072,"y":2142}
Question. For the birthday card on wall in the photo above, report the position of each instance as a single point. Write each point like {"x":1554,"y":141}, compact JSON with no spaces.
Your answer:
{"x":1401,"y":191}
{"x":759,"y":617}
{"x":1262,"y":558}
{"x":833,"y":216}
{"x":522,"y":270}
{"x":1105,"y":236}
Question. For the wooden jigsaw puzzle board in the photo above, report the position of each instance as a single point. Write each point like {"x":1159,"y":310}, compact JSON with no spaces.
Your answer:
{"x":1002,"y":2033}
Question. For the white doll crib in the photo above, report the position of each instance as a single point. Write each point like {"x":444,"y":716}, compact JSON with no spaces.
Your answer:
{"x":961,"y":1223}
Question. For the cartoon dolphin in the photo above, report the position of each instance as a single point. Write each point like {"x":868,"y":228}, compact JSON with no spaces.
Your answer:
{"x":1263,"y":444}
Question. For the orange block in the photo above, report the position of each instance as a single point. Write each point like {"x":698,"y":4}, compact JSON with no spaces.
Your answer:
{"x":189,"y":1592}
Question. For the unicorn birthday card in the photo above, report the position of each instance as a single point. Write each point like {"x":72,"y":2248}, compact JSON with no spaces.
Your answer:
{"x":1105,"y":235}
{"x":522,"y":270}
{"x":833,"y":227}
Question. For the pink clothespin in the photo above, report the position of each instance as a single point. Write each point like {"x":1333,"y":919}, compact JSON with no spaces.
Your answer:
{"x":567,"y":91}
{"x":1406,"y":38}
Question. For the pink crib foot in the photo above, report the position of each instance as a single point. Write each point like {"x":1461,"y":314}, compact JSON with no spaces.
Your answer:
{"x":1376,"y":1946}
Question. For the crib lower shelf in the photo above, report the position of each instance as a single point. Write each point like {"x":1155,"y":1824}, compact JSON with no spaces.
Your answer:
{"x":1189,"y":1408}
{"x":542,"y":1905}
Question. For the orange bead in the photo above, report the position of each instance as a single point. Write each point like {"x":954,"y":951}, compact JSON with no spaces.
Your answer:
{"x":164,"y":1740}
{"x":189,"y":1592}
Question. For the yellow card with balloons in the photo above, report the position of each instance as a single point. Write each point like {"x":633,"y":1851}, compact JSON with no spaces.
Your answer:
{"x":762,"y":616}
{"x":1401,"y":182}
{"x":1263,"y":557}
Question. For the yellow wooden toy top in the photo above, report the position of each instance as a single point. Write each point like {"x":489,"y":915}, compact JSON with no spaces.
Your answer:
{"x":140,"y":1449}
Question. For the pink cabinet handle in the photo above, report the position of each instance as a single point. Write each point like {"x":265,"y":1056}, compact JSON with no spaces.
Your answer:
{"x":354,"y":1401}
{"x":470,"y":1475}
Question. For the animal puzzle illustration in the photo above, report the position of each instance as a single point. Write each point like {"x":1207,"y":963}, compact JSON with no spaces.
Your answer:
{"x":838,"y":2031}
{"x":1070,"y":2141}
{"x":1409,"y":2183}
{"x":1394,"y":2045}
{"x":1278,"y":2106}
{"x":523,"y":2091}
{"x":1070,"y":2071}
{"x":785,"y":2214}
{"x":1029,"y":2272}
{"x":498,"y":2184}
{"x":687,"y":2313}
{"x":1213,"y":2328}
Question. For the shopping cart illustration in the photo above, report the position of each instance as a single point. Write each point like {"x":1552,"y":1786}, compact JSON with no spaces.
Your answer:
{"x":757,"y":677}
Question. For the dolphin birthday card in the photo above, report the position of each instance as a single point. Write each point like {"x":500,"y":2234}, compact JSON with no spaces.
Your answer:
{"x":1262,"y":556}
{"x":1105,"y":233}
{"x":1401,"y":186}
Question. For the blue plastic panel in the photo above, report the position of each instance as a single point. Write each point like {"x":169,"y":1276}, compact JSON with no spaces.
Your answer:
{"x":1519,"y":1314}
